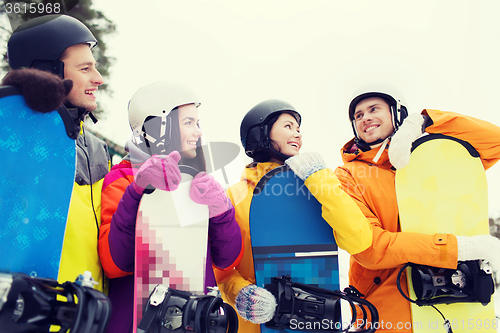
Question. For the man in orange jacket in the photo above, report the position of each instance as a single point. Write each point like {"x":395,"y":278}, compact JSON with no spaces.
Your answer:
{"x":368,"y":175}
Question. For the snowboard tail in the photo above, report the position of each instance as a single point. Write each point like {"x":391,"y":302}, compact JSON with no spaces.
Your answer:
{"x":171,"y":243}
{"x":443,"y":190}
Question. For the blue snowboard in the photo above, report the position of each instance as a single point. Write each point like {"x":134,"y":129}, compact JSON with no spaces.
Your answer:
{"x":289,"y":235}
{"x":37,"y":175}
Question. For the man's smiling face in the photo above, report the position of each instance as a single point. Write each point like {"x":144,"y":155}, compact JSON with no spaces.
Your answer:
{"x":373,"y":119}
{"x":79,"y":66}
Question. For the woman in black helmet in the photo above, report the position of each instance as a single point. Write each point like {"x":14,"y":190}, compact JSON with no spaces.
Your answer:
{"x":270,"y":134}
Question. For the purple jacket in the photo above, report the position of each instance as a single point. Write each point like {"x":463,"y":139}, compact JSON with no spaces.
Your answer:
{"x":117,"y":244}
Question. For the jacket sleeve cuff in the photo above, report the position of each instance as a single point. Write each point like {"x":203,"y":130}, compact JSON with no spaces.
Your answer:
{"x":225,"y":239}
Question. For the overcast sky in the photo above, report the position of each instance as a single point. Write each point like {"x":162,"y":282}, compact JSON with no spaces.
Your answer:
{"x":313,"y":54}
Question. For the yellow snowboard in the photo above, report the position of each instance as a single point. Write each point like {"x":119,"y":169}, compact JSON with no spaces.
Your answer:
{"x":443,"y":190}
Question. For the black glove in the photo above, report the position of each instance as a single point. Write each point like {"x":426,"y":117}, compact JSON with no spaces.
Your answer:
{"x":43,"y":91}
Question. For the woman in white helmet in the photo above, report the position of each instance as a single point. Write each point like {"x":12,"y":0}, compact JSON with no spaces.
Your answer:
{"x":164,"y":120}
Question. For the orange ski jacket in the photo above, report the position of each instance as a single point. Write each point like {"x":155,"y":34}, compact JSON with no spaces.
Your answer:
{"x":374,"y":271}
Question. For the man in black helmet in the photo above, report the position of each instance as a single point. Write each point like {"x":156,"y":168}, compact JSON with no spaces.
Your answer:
{"x":62,"y":45}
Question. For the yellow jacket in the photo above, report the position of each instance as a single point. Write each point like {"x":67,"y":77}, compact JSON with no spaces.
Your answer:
{"x":79,"y":253}
{"x":351,"y":229}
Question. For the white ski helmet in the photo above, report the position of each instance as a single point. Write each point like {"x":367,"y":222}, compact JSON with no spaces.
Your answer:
{"x":157,"y":100}
{"x":391,"y":95}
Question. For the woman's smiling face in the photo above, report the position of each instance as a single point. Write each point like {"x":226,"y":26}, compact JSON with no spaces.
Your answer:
{"x":190,"y":130}
{"x":285,"y":133}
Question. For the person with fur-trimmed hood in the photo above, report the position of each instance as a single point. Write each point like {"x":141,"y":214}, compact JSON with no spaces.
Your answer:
{"x":52,"y":63}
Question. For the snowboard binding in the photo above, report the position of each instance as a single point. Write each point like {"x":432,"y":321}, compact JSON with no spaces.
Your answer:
{"x":32,"y":304}
{"x":171,"y":310}
{"x":313,"y":309}
{"x":472,"y":281}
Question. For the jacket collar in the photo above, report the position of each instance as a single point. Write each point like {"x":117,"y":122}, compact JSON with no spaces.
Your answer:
{"x":135,"y":155}
{"x":254,"y":172}
{"x":350,"y":153}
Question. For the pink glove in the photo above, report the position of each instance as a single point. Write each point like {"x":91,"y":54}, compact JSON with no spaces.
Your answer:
{"x":159,"y":171}
{"x":205,"y":190}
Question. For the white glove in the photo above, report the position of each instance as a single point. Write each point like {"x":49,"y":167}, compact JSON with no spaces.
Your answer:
{"x":485,"y":247}
{"x":400,"y":146}
{"x":305,"y":164}
{"x":256,"y":304}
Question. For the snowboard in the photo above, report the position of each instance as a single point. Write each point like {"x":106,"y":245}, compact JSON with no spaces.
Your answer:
{"x":443,"y":190}
{"x":289,"y":235}
{"x":171,"y":242}
{"x":38,"y":172}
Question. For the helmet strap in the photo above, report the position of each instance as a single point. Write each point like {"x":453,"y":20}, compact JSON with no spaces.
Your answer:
{"x":364,"y":146}
{"x":92,"y":117}
{"x":399,"y":113}
{"x":276,"y":154}
{"x":267,"y":147}
{"x":157,"y":145}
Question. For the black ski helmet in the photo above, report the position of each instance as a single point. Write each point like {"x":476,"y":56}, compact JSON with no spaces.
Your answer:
{"x":387,"y":93}
{"x":40,"y":42}
{"x":254,"y":129}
